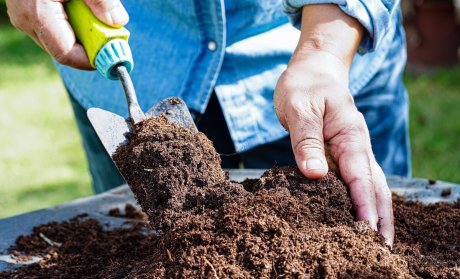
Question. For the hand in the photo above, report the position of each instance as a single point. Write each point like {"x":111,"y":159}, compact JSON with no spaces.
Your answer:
{"x":313,"y":103}
{"x":45,"y":21}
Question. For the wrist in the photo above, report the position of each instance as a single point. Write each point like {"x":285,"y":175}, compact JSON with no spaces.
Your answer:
{"x":326,"y":28}
{"x":316,"y":65}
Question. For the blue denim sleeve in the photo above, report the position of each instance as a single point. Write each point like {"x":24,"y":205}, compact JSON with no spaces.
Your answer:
{"x":374,"y":15}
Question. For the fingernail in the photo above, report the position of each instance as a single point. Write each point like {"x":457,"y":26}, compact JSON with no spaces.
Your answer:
{"x":119,"y":15}
{"x":314,"y":164}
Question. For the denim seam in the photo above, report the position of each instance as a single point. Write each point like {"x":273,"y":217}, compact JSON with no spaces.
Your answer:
{"x":360,"y":83}
{"x":202,"y":52}
{"x":215,"y":61}
{"x":241,"y":143}
{"x":214,"y":69}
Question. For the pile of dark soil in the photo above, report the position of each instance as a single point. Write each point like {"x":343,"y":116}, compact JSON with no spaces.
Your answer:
{"x":167,"y":167}
{"x":280,"y":226}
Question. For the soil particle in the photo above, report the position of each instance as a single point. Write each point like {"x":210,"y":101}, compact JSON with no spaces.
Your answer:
{"x":431,"y":181}
{"x":204,"y":226}
{"x":130,"y":211}
{"x":446,"y":192}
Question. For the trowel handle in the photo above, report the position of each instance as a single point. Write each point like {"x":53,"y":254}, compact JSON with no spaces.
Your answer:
{"x":105,"y":46}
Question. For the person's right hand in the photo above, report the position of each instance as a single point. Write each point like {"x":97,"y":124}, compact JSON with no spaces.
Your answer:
{"x":45,"y":21}
{"x":313,"y":102}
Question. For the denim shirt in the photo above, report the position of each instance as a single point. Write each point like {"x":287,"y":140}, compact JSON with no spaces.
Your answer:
{"x":238,"y":48}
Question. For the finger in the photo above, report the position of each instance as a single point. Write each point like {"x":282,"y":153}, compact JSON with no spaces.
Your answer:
{"x":305,"y":124}
{"x":19,"y":19}
{"x":35,"y":38}
{"x":57,"y":37}
{"x":352,"y":156}
{"x":110,"y":12}
{"x":384,"y":204}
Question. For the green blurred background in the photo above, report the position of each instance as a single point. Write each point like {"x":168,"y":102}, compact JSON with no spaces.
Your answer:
{"x":42,"y":161}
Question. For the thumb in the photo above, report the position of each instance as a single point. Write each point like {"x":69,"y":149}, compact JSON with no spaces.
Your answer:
{"x":111,"y":12}
{"x":306,"y":130}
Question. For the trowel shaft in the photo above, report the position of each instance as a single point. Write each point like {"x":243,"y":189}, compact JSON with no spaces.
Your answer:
{"x":135,"y":112}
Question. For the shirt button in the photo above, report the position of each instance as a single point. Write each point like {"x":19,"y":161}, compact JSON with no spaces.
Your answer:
{"x":212,"y":45}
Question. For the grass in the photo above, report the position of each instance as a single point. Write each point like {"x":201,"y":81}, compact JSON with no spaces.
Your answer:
{"x":42,"y":162}
{"x":435,"y":125}
{"x":41,"y":159}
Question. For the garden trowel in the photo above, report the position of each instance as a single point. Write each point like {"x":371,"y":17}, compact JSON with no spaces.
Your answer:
{"x":109,"y":52}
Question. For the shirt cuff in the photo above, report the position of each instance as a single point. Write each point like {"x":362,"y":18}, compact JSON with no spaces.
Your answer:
{"x":373,"y":15}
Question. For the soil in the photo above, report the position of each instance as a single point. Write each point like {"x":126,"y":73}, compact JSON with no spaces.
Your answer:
{"x":427,"y":237}
{"x":446,"y":192}
{"x":130,"y":211}
{"x":201,"y":225}
{"x":168,"y":167}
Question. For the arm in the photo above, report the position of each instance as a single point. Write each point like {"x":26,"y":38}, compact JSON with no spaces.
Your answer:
{"x":46,"y":23}
{"x":313,"y":103}
{"x":374,"y":16}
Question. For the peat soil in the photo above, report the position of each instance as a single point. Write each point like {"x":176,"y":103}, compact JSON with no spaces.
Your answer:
{"x":201,"y":225}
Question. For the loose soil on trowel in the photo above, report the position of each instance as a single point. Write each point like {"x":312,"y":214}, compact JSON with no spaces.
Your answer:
{"x":201,"y":225}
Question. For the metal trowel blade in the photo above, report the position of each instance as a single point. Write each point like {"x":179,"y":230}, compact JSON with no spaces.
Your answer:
{"x":113,"y":129}
{"x":175,"y":110}
{"x":24,"y":260}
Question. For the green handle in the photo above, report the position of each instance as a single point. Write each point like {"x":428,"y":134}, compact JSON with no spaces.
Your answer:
{"x":90,"y":31}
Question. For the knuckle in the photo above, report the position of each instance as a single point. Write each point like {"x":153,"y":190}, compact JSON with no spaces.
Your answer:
{"x":61,"y":57}
{"x":33,"y":13}
{"x":297,"y":110}
{"x":308,"y":144}
{"x":307,"y":126}
{"x":312,"y":125}
{"x":355,"y":124}
{"x":305,"y":110}
{"x":25,"y":18}
{"x":361,"y":180}
{"x":98,"y":4}
{"x":40,"y":29}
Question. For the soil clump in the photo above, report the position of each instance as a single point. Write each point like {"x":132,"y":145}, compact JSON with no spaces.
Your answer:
{"x":130,"y":212}
{"x":201,"y":225}
{"x":167,"y":165}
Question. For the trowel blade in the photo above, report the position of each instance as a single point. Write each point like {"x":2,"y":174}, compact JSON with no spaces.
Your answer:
{"x":24,"y":260}
{"x":113,"y":129}
{"x":110,"y":128}
{"x":175,"y":110}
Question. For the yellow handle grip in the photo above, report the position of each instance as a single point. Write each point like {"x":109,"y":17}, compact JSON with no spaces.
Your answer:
{"x":90,"y":31}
